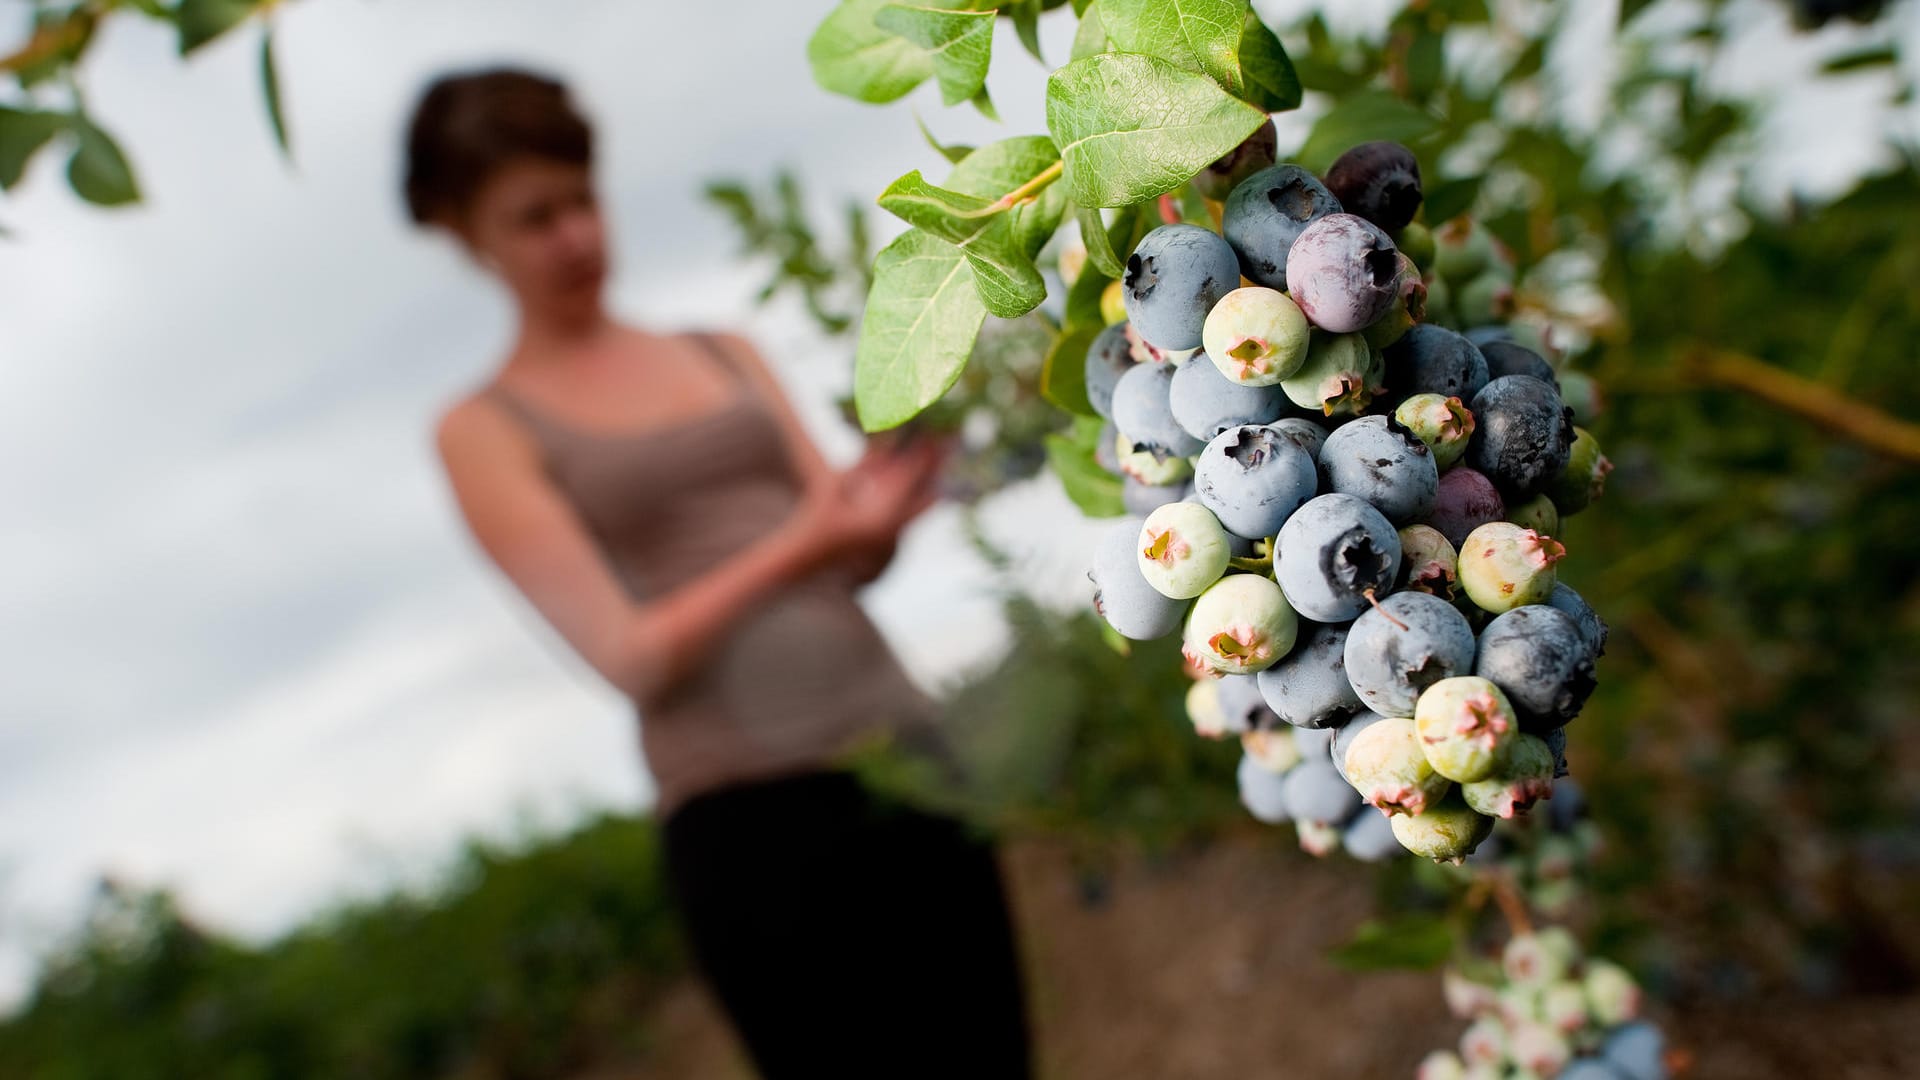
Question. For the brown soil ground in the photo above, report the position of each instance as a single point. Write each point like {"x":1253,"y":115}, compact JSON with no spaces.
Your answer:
{"x":1210,"y":967}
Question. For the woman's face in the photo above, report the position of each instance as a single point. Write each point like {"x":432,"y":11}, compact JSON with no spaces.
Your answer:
{"x":536,"y":223}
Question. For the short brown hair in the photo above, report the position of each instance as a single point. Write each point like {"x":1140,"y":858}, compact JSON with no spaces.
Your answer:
{"x":467,"y":125}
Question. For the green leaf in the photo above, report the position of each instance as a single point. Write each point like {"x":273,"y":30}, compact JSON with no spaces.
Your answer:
{"x":1199,"y":35}
{"x":270,"y":85}
{"x":1630,"y":8}
{"x":98,"y":171}
{"x":1090,"y":38}
{"x":1093,"y":489}
{"x":1026,"y":23}
{"x":955,"y":153}
{"x":1871,"y":56}
{"x":1415,"y":941}
{"x":1010,"y":285}
{"x":1426,"y":63}
{"x":1361,"y":118}
{"x":959,"y":42}
{"x":1063,"y":376}
{"x":1093,"y":234}
{"x":22,"y":134}
{"x":983,"y":101}
{"x":1267,"y":73}
{"x":1131,"y":127}
{"x":201,"y":21}
{"x":852,"y":56}
{"x":1001,"y":167}
{"x":1448,"y":199}
{"x":921,"y":319}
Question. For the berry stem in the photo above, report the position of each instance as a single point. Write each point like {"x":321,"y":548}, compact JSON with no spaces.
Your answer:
{"x":1511,"y":906}
{"x":1262,"y":564}
{"x":1383,"y":611}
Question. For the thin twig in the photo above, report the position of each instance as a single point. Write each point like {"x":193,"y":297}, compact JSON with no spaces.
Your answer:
{"x":1823,"y":405}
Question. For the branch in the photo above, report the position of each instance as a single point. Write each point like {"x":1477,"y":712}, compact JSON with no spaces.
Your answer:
{"x":1823,"y":405}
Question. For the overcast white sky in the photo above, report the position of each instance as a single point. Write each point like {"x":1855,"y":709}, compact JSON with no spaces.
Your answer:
{"x":251,"y":652}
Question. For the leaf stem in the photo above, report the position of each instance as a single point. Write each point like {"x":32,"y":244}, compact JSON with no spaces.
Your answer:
{"x":1031,"y":188}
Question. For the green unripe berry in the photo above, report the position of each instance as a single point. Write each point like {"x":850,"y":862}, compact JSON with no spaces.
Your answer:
{"x":1183,"y":550}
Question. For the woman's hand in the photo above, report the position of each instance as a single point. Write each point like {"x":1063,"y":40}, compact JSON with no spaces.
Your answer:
{"x":857,"y":515}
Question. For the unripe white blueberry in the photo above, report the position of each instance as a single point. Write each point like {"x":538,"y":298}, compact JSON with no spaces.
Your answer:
{"x":1446,"y":832}
{"x":1183,"y":550}
{"x":1386,"y":765}
{"x":1611,"y":992}
{"x":1256,"y":336}
{"x":1239,"y":625}
{"x":1503,"y":566}
{"x":1203,"y":708}
{"x":1464,"y":722}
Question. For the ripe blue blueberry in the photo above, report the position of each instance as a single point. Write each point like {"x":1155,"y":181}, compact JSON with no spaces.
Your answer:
{"x":1431,"y":359}
{"x":1344,"y":272}
{"x":1121,"y":594}
{"x":1381,"y":460}
{"x":1143,"y":413}
{"x":1465,"y":501}
{"x":1205,"y":402}
{"x":1637,"y":1050}
{"x":1369,"y":837}
{"x":1256,"y":336}
{"x":1508,"y":357}
{"x":1253,"y":479}
{"x":1589,"y":1068}
{"x":1334,"y":553}
{"x":1309,"y":688}
{"x":1408,"y":643}
{"x":1106,"y":452}
{"x":1242,"y":705}
{"x":1522,"y":437}
{"x":1263,"y":792}
{"x":1341,"y":375}
{"x":1313,"y":743}
{"x":1539,"y":657}
{"x":1304,"y":434}
{"x":1379,"y":181}
{"x":1266,"y":213}
{"x":1107,"y":360}
{"x":1593,"y":629}
{"x":1315,"y":792}
{"x":1173,"y":278}
{"x":1139,"y":498}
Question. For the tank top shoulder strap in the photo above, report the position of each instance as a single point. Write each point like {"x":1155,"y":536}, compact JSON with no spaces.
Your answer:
{"x":711,"y":345}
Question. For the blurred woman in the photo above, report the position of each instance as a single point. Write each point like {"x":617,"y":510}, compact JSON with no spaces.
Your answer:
{"x":655,"y":498}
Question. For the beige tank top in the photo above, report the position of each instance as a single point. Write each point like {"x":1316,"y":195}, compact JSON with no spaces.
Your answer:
{"x":797,"y":680}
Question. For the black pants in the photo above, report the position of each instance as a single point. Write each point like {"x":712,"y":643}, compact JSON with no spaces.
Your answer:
{"x":849,"y":937}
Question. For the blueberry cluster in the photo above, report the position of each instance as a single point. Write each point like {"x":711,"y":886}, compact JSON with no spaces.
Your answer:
{"x":1346,"y":510}
{"x":1547,"y":1011}
{"x":1541,"y":854}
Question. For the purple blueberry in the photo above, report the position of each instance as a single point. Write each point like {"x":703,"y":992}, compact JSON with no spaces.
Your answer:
{"x":1121,"y":594}
{"x":1173,"y":278}
{"x":1218,"y":180}
{"x":1508,"y":357}
{"x":1464,"y":501}
{"x":1379,"y":181}
{"x":1266,"y":213}
{"x":1369,"y":837}
{"x":1309,"y":687}
{"x":1253,"y":478}
{"x":1408,"y":643}
{"x":1344,"y":272}
{"x":1432,"y":359}
{"x":1522,"y":435}
{"x":1334,"y":553}
{"x":1206,"y":403}
{"x":1143,"y":413}
{"x":1538,"y":657}
{"x":1381,"y":460}
{"x":1107,"y":359}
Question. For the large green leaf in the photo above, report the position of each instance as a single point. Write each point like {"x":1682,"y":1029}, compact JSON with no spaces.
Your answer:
{"x":1093,"y":235}
{"x":98,"y":171}
{"x":1093,"y":489}
{"x":1063,"y":377}
{"x":921,"y":319}
{"x":1362,"y":118}
{"x":201,"y":21}
{"x":1199,"y":35}
{"x":1131,"y":127}
{"x":1267,"y":74}
{"x":998,"y":168}
{"x":1009,"y":284}
{"x":1090,"y":37}
{"x":22,"y":134}
{"x":960,"y":44}
{"x":850,"y":55}
{"x":1026,"y":23}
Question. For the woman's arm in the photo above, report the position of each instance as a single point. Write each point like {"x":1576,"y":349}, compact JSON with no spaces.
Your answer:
{"x":533,"y":534}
